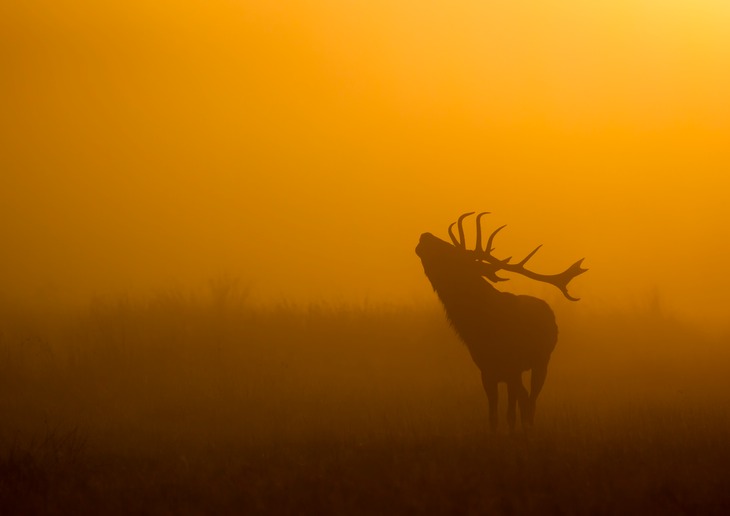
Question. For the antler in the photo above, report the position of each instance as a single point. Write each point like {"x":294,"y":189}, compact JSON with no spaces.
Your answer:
{"x":460,"y":242}
{"x":560,"y":280}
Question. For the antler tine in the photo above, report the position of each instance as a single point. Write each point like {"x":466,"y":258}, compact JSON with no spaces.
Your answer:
{"x":524,"y":260}
{"x":489,"y":247}
{"x":452,"y":236}
{"x":568,"y":274}
{"x":460,"y":226}
{"x":478,"y":246}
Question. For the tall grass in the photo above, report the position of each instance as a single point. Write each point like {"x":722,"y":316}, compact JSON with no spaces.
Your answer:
{"x":205,"y":404}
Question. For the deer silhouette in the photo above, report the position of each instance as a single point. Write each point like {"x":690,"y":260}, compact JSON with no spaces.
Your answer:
{"x":506,"y":334}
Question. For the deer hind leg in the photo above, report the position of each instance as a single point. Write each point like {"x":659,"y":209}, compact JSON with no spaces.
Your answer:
{"x":490,"y":387}
{"x":537,"y":380}
{"x":516,"y":394}
{"x":523,"y":402}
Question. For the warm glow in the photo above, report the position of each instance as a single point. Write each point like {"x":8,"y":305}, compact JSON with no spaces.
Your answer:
{"x":304,"y":146}
{"x":210,"y":297}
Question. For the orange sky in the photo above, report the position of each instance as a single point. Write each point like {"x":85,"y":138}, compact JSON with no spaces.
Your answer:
{"x":304,"y":146}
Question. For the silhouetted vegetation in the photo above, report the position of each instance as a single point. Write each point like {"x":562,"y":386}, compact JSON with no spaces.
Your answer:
{"x":192,"y":404}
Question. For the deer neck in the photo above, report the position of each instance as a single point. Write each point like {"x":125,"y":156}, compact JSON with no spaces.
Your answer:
{"x":469,"y":300}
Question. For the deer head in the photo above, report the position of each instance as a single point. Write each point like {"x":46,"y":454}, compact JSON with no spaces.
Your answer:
{"x":440,"y":258}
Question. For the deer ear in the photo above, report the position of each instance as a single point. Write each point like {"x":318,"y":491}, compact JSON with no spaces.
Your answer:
{"x":489,"y":271}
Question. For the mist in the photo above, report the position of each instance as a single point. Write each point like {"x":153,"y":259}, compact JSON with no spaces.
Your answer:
{"x":208,"y":219}
{"x":304,"y":148}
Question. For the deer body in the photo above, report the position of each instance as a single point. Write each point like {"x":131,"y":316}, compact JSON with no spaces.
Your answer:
{"x":506,"y":334}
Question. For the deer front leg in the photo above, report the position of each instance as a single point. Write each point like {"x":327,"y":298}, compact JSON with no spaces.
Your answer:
{"x":490,"y":387}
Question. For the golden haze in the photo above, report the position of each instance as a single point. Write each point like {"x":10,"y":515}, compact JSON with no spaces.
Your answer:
{"x":304,"y":146}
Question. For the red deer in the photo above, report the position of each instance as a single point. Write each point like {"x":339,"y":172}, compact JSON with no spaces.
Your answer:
{"x":506,"y":334}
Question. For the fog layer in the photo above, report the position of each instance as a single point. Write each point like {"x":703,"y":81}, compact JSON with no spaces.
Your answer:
{"x":303,"y":147}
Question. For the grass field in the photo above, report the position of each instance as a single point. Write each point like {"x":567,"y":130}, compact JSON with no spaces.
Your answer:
{"x":204,"y":405}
